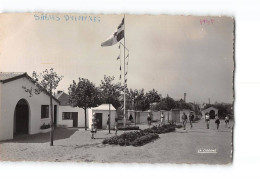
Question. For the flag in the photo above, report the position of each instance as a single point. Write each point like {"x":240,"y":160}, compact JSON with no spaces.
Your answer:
{"x":117,"y":35}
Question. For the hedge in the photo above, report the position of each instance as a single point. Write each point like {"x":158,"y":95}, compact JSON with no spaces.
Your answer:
{"x":141,"y":137}
{"x":45,"y":126}
{"x":129,"y":128}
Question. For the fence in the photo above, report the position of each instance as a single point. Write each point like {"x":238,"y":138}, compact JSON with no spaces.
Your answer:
{"x":141,"y":116}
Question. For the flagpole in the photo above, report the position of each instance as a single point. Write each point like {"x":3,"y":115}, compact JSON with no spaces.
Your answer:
{"x":124,"y":74}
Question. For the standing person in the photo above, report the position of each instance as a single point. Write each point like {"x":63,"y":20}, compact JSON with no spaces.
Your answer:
{"x":207,"y":119}
{"x":184,"y":120}
{"x":131,"y":118}
{"x":217,"y":121}
{"x":227,"y":121}
{"x":162,"y":118}
{"x":116,"y":126}
{"x":93,"y":126}
{"x":149,"y":120}
{"x":108,"y":121}
{"x":191,"y":118}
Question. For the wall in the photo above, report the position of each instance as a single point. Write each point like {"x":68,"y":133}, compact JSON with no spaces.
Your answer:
{"x":141,"y":116}
{"x":11,"y":93}
{"x":69,"y":123}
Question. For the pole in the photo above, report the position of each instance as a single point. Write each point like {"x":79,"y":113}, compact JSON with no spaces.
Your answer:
{"x":124,"y":74}
{"x":52,"y":129}
{"x":109,"y":119}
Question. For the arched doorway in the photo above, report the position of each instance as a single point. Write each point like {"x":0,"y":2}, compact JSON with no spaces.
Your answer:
{"x":212,"y":114}
{"x":21,"y":117}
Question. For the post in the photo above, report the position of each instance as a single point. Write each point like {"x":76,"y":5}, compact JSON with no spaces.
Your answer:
{"x":109,"y":119}
{"x":124,"y":75}
{"x":85,"y":113}
{"x":52,"y":130}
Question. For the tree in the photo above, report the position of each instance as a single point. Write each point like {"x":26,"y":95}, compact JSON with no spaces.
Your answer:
{"x":166,"y":103}
{"x":152,"y":96}
{"x":47,"y":81}
{"x":110,"y":93}
{"x":84,"y":95}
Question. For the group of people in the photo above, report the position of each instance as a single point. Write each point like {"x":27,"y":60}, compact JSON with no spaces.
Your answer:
{"x":185,"y":119}
{"x":149,"y":119}
{"x":217,"y":121}
{"x":207,"y":119}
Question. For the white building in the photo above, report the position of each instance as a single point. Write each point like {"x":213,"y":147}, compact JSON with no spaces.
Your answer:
{"x":212,"y":111}
{"x":69,"y":116}
{"x":177,"y":114}
{"x":20,"y":113}
{"x":102,"y":112}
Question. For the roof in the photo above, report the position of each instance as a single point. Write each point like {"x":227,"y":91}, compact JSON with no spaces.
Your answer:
{"x":104,"y":107}
{"x":209,"y":108}
{"x":9,"y":76}
{"x":6,"y":77}
{"x":63,"y":98}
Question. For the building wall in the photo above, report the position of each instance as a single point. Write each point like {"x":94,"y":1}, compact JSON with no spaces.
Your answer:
{"x":69,"y":123}
{"x":11,"y":93}
{"x":141,"y":116}
{"x":104,"y":117}
{"x":203,"y":112}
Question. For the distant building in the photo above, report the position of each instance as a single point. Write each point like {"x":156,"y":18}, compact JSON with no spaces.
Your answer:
{"x":212,"y":111}
{"x":69,"y":116}
{"x":177,"y":114}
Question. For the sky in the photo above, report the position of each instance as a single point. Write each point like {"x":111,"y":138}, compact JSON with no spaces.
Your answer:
{"x":172,"y":54}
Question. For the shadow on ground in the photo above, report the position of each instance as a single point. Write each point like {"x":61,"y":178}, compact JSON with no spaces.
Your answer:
{"x":59,"y":133}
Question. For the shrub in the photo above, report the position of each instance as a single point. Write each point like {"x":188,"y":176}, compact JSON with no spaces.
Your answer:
{"x":178,"y":126}
{"x":121,"y":142}
{"x":141,"y":137}
{"x":145,"y":139}
{"x":129,"y":128}
{"x":45,"y":126}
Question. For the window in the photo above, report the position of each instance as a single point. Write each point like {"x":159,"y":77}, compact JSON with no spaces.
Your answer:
{"x":44,"y":111}
{"x":66,"y":115}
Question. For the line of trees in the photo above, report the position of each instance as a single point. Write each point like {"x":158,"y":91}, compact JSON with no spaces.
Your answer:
{"x":85,"y":94}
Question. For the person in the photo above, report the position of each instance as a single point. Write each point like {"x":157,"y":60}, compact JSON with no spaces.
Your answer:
{"x":149,"y":120}
{"x":217,"y":121}
{"x":227,"y":121}
{"x":131,"y":118}
{"x":207,"y":120}
{"x":184,"y":120}
{"x":191,"y":118}
{"x":108,"y":121}
{"x":116,"y":126}
{"x":162,"y":118}
{"x":93,"y":126}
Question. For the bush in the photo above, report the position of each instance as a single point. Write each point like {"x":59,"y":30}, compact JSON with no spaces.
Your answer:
{"x":145,"y":139}
{"x":141,"y":137}
{"x":129,"y":128}
{"x":121,"y":142}
{"x":178,"y":126}
{"x":45,"y":126}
